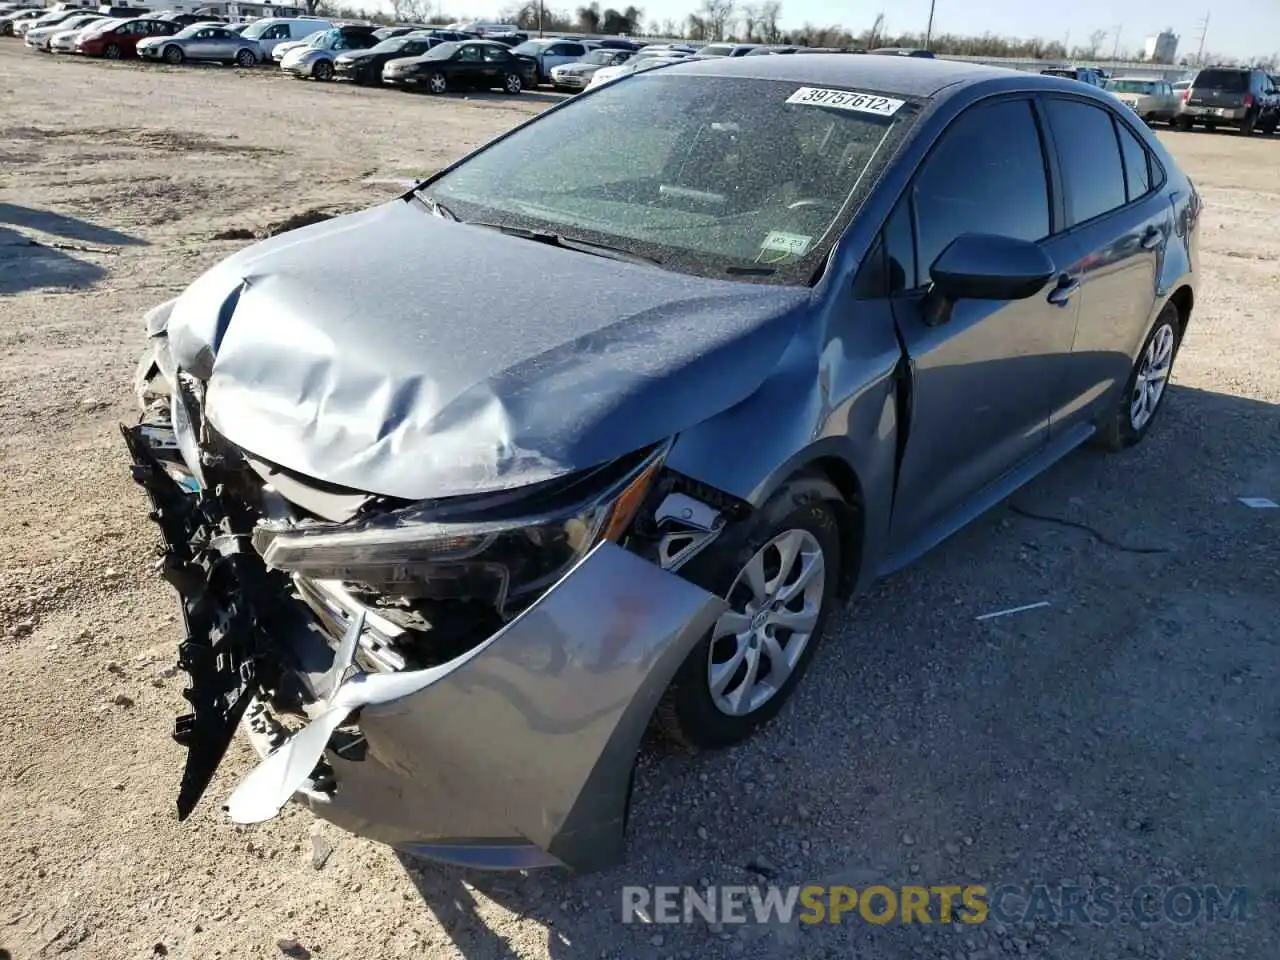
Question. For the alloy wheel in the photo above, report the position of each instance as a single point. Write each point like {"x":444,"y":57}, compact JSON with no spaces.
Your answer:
{"x":323,"y":70}
{"x":774,"y":605}
{"x":173,"y":55}
{"x":112,"y":52}
{"x":246,"y":58}
{"x":437,"y":83}
{"x":1152,"y":378}
{"x":513,"y":83}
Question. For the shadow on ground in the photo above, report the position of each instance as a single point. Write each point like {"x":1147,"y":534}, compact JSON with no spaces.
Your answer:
{"x":61,"y":225}
{"x":1120,"y":736}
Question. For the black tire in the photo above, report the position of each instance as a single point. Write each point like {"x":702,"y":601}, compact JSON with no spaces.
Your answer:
{"x":1119,"y":432}
{"x":687,"y":712}
{"x":173,"y":55}
{"x":246,"y":59}
{"x":323,"y":70}
{"x":512,"y":84}
{"x":437,"y":83}
{"x":112,"y":52}
{"x":1250,"y":123}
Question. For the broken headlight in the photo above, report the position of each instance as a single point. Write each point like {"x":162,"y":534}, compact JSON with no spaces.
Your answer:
{"x":496,"y":549}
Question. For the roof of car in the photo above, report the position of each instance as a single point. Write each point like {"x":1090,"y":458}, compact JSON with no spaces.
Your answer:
{"x":910,"y":76}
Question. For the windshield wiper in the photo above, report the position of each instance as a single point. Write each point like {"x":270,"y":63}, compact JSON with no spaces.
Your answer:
{"x":569,"y":243}
{"x":751,"y":271}
{"x":435,"y":206}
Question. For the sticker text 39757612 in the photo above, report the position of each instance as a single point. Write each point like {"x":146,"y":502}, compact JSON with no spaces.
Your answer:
{"x":847,"y":100}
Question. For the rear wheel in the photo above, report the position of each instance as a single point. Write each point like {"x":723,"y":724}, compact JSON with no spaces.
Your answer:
{"x":778,"y":571}
{"x":1148,"y":383}
{"x":323,"y":70}
{"x":112,"y":51}
{"x":437,"y":83}
{"x":1250,"y":122}
{"x":246,"y":58}
{"x":173,"y":54}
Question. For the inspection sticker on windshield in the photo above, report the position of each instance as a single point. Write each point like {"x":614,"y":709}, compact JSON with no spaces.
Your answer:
{"x":791,"y":244}
{"x":847,"y":100}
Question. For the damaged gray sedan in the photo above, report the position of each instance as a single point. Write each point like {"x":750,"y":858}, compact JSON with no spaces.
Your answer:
{"x":445,"y":557}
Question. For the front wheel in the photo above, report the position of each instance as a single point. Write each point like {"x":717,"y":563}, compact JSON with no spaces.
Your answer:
{"x":246,"y":58}
{"x":323,"y":70}
{"x":1144,"y":393}
{"x":112,"y":51}
{"x":512,"y":83}
{"x":173,"y":55}
{"x":779,"y":573}
{"x":437,"y":83}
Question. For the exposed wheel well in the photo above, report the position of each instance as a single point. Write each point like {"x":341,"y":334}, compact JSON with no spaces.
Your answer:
{"x":1184,"y":299}
{"x":851,"y":517}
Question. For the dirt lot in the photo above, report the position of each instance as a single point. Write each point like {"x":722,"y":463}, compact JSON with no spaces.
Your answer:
{"x":1126,"y":735}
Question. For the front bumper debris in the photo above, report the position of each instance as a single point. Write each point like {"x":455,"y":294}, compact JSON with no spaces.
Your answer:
{"x":517,"y":753}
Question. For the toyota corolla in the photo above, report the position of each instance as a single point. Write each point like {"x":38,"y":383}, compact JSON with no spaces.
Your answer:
{"x":445,"y":556}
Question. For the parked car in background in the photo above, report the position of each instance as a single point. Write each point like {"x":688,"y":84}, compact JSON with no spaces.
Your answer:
{"x":9,"y":22}
{"x":64,"y":41}
{"x":801,"y":321}
{"x":187,"y":19}
{"x":481,"y":28}
{"x":510,"y":40}
{"x":121,"y":40}
{"x":576,"y":76}
{"x":473,"y":64}
{"x":202,"y":41}
{"x":1082,"y":74}
{"x":1240,"y":97}
{"x":39,"y":38}
{"x":127,"y":12}
{"x":365,"y":66}
{"x":1151,"y":100}
{"x":767,"y":51}
{"x":47,"y":19}
{"x":270,"y":32}
{"x":902,"y":52}
{"x":638,"y":64}
{"x":314,"y":61}
{"x":726,"y":49}
{"x":1181,"y":86}
{"x":549,"y":53}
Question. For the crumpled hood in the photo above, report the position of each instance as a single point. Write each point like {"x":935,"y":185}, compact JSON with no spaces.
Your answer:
{"x":397,"y":353}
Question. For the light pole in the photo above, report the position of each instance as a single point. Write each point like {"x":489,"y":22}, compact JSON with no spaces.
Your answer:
{"x":928,"y":31}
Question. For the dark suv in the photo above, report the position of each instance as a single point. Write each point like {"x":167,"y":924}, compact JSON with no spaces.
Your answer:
{"x":1240,"y":97}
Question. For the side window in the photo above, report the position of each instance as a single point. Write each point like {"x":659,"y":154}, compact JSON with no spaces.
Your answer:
{"x":558,"y":50}
{"x":469,"y":54}
{"x":492,"y":55}
{"x":279,"y":32}
{"x":890,"y":266}
{"x":1092,"y":174}
{"x":575,"y":50}
{"x":986,"y":175}
{"x":1137,"y":163}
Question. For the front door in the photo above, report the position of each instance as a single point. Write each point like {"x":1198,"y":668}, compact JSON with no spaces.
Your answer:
{"x":985,"y":380}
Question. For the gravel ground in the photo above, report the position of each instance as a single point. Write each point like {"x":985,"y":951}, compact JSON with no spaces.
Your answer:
{"x":1126,"y":734}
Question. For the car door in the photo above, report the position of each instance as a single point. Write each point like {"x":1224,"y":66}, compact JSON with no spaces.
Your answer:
{"x":467,"y":65}
{"x":497,"y":63}
{"x":223,"y":44}
{"x":984,"y":382}
{"x":1122,"y":223}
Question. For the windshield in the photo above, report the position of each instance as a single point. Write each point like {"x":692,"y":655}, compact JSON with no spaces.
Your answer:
{"x":324,"y":38}
{"x":531,"y":48}
{"x":1229,"y":81}
{"x":442,"y":51}
{"x":187,"y":32}
{"x":392,"y":44}
{"x":735,"y":181}
{"x":605,"y":57}
{"x":255,"y":30}
{"x":716,"y":50}
{"x":1131,"y":86}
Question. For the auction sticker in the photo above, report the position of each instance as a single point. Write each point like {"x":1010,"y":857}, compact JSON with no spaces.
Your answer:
{"x":792,"y":244}
{"x":847,"y":100}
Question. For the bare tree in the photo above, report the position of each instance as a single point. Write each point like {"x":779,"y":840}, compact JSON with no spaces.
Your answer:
{"x":873,"y":37}
{"x":668,"y":28}
{"x":770,"y":14}
{"x":589,"y":17}
{"x":716,"y":15}
{"x":1095,"y":41}
{"x":696,"y":27}
{"x":750,"y":21}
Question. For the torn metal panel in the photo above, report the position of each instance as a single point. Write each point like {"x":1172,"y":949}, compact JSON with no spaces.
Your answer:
{"x":452,"y":389}
{"x":528,"y":739}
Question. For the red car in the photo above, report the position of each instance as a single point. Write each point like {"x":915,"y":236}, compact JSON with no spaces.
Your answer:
{"x":122,"y":40}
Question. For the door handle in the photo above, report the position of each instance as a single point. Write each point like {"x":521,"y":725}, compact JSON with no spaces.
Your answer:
{"x":1067,"y":287}
{"x":1152,"y":238}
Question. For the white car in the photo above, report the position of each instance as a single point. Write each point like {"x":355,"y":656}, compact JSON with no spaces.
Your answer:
{"x":64,"y":41}
{"x":272,"y":32}
{"x":576,"y":76}
{"x":638,"y":64}
{"x":38,"y":38}
{"x":1151,"y":100}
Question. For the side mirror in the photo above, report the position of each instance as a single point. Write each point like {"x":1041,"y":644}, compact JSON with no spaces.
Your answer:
{"x":980,"y":266}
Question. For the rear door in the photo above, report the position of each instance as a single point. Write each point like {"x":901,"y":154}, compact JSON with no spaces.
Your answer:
{"x":468,"y":64}
{"x":985,"y":381}
{"x":1122,"y":222}
{"x":497,"y":63}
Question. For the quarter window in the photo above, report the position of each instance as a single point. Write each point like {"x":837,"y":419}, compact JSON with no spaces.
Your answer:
{"x":986,"y":175}
{"x":1092,"y":172}
{"x":1137,"y":163}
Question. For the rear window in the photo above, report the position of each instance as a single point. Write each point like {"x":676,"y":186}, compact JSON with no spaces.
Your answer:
{"x":1230,"y":81}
